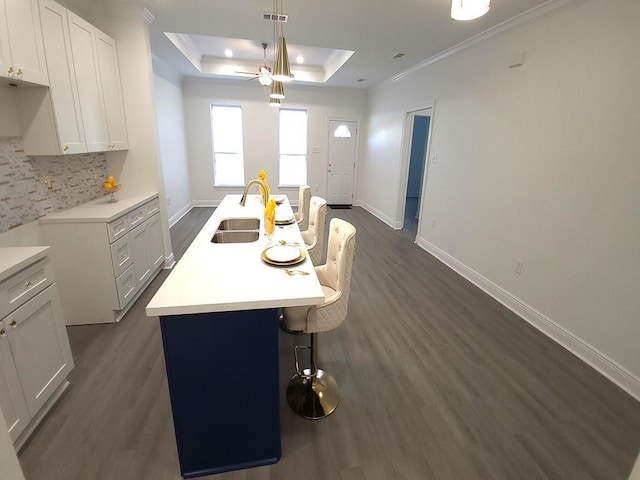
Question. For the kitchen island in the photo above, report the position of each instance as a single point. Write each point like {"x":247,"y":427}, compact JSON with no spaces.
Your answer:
{"x":218,"y":314}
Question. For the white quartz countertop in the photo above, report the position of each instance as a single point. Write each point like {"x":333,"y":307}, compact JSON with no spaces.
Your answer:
{"x":216,"y":277}
{"x":99,"y":210}
{"x":14,"y":259}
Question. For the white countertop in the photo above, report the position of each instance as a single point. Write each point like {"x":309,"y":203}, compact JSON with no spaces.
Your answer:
{"x":215,"y":277}
{"x":99,"y":210}
{"x":14,"y":259}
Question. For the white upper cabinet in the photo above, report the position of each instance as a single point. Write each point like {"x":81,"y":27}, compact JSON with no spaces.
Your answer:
{"x":21,"y":48}
{"x":85,"y":66}
{"x":83,"y":109}
{"x":112,"y":91}
{"x":55,"y":119}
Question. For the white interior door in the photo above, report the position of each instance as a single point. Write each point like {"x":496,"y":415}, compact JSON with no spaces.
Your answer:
{"x":343,"y":138}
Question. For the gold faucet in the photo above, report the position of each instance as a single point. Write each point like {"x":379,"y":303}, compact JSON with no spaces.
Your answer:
{"x":263,"y":191}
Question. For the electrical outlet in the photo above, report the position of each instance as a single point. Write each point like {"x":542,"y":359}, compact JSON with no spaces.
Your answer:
{"x":435,"y":158}
{"x":433,"y":223}
{"x":519,"y":265}
{"x":168,"y":201}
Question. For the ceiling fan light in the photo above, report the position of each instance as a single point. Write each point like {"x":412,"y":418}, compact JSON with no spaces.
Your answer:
{"x":469,"y":9}
{"x":265,"y":80}
{"x":281,"y":69}
{"x":274,"y":102}
{"x":277,"y":90}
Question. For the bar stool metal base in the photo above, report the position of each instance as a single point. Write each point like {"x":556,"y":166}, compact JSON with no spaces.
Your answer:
{"x":313,"y":396}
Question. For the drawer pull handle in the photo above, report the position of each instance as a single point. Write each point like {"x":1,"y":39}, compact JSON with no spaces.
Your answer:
{"x":28,"y":284}
{"x":12,"y":323}
{"x":2,"y":332}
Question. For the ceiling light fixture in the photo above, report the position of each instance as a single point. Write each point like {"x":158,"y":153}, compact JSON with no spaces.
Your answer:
{"x":274,"y":102}
{"x":228,"y":53}
{"x":265,"y":70}
{"x":281,"y":68}
{"x":469,"y":9}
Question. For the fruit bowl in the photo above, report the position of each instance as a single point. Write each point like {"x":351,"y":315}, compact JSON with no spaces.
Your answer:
{"x":111,"y":190}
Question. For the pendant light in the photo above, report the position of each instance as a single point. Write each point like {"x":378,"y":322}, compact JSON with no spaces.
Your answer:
{"x":281,"y":69}
{"x":274,"y":102}
{"x":469,"y":9}
{"x":277,"y":90}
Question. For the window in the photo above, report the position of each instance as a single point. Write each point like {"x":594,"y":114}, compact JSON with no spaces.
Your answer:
{"x":293,"y":147}
{"x":228,"y":161}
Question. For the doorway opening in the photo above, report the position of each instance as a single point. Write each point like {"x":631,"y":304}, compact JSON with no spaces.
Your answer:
{"x":417,"y":128}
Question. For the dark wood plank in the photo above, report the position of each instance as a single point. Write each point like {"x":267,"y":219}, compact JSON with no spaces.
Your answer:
{"x":438,"y":381}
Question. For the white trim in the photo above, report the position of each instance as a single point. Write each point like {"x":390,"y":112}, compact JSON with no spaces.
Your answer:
{"x":381,"y":216}
{"x":175,"y":218}
{"x":205,"y":203}
{"x":535,"y":13}
{"x":581,"y":349}
{"x":169,"y":262}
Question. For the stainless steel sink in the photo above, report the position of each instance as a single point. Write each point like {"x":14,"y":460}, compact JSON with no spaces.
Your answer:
{"x":235,"y":236}
{"x":239,"y":224}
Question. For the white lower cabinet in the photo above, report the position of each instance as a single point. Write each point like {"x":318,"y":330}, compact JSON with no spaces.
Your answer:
{"x":35,"y":356}
{"x":12,"y":402}
{"x":104,"y":264}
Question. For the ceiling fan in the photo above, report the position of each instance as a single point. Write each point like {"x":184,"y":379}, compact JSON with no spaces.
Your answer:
{"x":264,"y":72}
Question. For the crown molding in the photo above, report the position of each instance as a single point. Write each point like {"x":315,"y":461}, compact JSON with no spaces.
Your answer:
{"x":547,"y":8}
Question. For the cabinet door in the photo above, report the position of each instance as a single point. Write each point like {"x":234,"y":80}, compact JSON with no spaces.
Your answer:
{"x":12,"y":401}
{"x":112,"y":91}
{"x":40,"y":347}
{"x":85,"y":66}
{"x":64,"y":90}
{"x":141,"y":262}
{"x":21,"y":47}
{"x":154,"y":242}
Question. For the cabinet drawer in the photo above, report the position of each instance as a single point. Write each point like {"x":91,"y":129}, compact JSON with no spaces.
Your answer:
{"x":126,"y":286}
{"x":24,"y":285}
{"x":151,"y":208}
{"x":121,"y":255}
{"x":136,"y":217}
{"x":118,"y":228}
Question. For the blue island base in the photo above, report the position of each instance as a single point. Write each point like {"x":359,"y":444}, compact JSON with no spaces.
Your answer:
{"x":222,"y":370}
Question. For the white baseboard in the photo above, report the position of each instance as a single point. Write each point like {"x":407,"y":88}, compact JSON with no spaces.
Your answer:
{"x":205,"y":203}
{"x":175,"y":218}
{"x":581,"y":349}
{"x":169,"y":262}
{"x":378,"y":214}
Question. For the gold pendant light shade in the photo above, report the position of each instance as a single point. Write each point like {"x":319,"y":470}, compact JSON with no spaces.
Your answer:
{"x":277,"y":90}
{"x":281,"y":70}
{"x":274,"y":102}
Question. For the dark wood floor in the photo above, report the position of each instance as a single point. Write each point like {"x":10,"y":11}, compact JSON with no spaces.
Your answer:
{"x":438,"y":381}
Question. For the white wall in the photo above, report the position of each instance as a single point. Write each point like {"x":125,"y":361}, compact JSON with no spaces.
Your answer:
{"x":260,"y":129}
{"x":171,"y":139}
{"x":538,"y":163}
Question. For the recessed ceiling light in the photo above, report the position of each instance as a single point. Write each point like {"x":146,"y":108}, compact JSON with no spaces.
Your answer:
{"x":300,"y":59}
{"x":228,"y":53}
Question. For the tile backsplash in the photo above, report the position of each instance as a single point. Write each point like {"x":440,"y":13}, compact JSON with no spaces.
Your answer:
{"x":24,"y":196}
